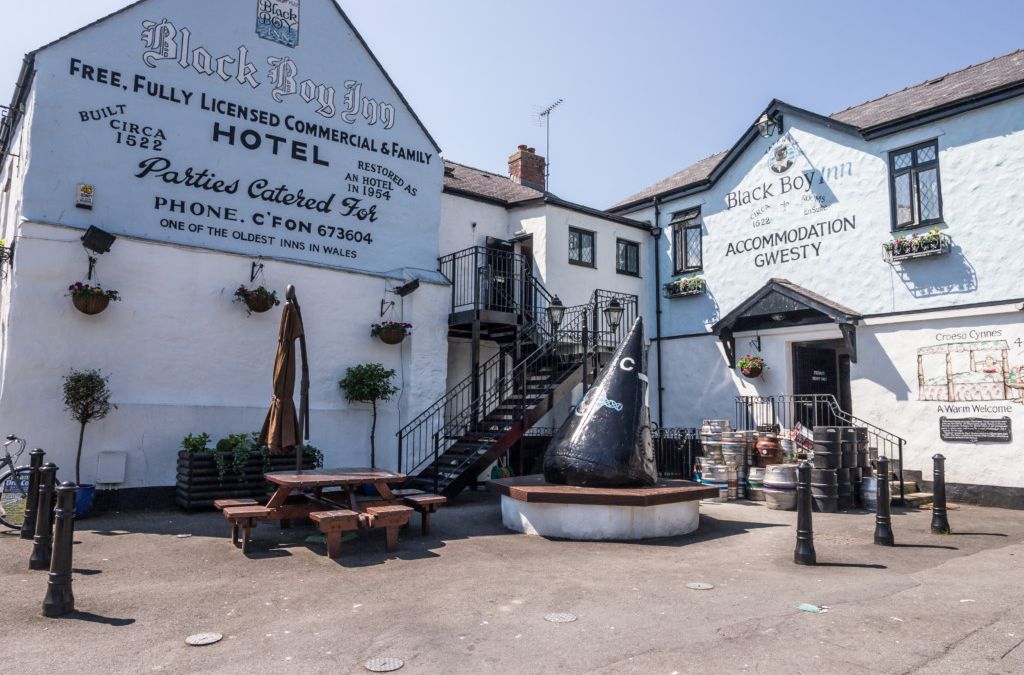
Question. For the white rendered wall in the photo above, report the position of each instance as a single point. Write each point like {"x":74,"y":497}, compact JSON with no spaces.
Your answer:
{"x":183,"y":358}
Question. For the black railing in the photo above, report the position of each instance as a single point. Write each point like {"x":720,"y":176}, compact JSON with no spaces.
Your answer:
{"x":675,"y":450}
{"x":6,"y":125}
{"x":811,"y":410}
{"x":486,"y":278}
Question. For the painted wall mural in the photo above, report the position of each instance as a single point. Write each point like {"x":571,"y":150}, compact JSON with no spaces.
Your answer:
{"x":969,"y":371}
{"x":213,"y":125}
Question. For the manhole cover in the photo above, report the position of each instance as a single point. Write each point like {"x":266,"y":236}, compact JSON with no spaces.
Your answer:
{"x":560,"y":617}
{"x":700,"y":586}
{"x":384,"y":664}
{"x":202,"y":639}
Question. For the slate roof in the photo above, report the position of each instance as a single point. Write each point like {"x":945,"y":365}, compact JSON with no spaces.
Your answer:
{"x":491,"y":186}
{"x":959,"y":86}
{"x":473,"y":183}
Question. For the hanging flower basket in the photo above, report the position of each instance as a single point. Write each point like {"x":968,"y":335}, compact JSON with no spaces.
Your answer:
{"x":89,"y":299}
{"x":390,"y":332}
{"x":257,"y":299}
{"x":751,"y":366}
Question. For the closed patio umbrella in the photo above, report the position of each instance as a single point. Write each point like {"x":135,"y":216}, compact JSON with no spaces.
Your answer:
{"x":282,"y":427}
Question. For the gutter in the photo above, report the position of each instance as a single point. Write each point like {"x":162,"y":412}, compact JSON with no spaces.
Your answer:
{"x":656,"y":235}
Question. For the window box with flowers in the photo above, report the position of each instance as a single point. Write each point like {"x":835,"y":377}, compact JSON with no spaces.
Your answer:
{"x":390,"y":332}
{"x":931,"y":243}
{"x":257,"y":299}
{"x":680,"y":288}
{"x":89,"y":299}
{"x":751,"y":366}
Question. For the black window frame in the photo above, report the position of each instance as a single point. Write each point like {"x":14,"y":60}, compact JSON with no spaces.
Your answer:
{"x":681,"y":222}
{"x":913,"y":170}
{"x":593,"y":247}
{"x":629,"y":243}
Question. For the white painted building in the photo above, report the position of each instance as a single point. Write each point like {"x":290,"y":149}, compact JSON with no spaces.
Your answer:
{"x":787,"y":230}
{"x":213,"y":144}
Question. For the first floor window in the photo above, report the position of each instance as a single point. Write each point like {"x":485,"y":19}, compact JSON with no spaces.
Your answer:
{"x":914,"y":185}
{"x":581,"y":247}
{"x":687,"y":242}
{"x":627,"y":257}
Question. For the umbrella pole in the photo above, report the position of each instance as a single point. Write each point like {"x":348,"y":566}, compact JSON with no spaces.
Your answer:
{"x":304,"y":384}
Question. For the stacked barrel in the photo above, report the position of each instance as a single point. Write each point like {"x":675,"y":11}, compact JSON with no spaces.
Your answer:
{"x":840,"y":461}
{"x":759,"y":465}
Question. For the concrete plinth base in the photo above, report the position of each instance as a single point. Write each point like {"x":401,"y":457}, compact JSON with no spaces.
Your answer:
{"x":594,"y":522}
{"x":533,"y":506}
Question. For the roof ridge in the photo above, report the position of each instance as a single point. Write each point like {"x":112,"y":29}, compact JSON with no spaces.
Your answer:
{"x":930,"y":80}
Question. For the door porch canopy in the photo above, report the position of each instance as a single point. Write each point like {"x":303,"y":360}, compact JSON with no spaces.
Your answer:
{"x":781,"y":303}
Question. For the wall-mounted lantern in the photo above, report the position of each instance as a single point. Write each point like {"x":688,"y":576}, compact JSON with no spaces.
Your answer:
{"x":613,"y":314}
{"x":768,"y":126}
{"x":556,"y":311}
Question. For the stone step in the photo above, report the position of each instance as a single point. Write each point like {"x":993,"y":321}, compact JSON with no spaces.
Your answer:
{"x":916,"y":499}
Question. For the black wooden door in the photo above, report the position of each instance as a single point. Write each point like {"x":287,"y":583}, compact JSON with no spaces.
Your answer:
{"x":498,"y":276}
{"x":815,"y":372}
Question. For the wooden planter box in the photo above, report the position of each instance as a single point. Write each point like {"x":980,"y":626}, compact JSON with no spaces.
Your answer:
{"x":939,"y":247}
{"x":198,"y":484}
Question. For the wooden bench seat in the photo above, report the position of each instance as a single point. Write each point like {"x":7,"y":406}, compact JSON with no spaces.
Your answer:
{"x":244,"y":517}
{"x":334,"y":524}
{"x":425,"y":504}
{"x":221,"y":504}
{"x":392,"y":517}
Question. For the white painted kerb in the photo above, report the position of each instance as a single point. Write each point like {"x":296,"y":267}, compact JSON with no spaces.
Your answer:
{"x":595,"y":522}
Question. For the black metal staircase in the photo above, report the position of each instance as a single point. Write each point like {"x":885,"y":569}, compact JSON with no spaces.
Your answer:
{"x":495,"y":297}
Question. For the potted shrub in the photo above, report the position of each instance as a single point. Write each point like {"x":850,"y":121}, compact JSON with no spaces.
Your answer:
{"x":933,"y":242}
{"x":751,"y":366}
{"x":89,"y":299}
{"x":390,"y":332}
{"x":684,"y":286}
{"x":369,"y":383}
{"x":257,"y":299}
{"x":87,"y":398}
{"x":232,"y":469}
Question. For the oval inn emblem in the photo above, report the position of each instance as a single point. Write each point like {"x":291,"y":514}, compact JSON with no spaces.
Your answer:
{"x":781,"y":158}
{"x":278,"y":21}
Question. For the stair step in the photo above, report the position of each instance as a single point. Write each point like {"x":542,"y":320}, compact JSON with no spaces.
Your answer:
{"x":914,"y":499}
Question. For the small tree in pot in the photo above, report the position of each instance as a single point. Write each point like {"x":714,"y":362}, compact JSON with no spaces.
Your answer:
{"x":369,"y":383}
{"x":86,"y":398}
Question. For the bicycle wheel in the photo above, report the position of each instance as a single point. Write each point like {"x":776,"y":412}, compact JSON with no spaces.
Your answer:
{"x":13,"y":497}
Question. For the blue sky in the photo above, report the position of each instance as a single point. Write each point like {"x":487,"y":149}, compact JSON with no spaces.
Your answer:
{"x":650,"y":86}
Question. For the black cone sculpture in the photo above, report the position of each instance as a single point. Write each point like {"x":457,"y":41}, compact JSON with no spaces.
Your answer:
{"x":606,"y":442}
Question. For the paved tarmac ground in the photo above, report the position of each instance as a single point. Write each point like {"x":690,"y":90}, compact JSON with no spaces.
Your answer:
{"x":472,"y":597}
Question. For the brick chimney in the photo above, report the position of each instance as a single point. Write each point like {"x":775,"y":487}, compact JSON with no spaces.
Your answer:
{"x":526,"y":167}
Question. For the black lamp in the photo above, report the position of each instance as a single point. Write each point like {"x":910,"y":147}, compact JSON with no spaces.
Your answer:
{"x":96,"y":240}
{"x":556,"y":311}
{"x":768,"y":126}
{"x":613,"y":313}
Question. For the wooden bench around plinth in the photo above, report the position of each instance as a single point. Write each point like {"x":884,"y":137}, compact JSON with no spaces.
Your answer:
{"x":424,"y":504}
{"x":391,"y":517}
{"x":334,"y":524}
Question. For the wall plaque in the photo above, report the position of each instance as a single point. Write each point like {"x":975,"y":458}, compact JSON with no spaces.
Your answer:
{"x":975,"y":429}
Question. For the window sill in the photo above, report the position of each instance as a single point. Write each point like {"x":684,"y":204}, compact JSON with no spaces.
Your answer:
{"x":583,"y":264}
{"x":635,"y":275}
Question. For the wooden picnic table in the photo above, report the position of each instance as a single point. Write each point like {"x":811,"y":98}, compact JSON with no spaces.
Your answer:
{"x":301,"y":494}
{"x":348,"y":479}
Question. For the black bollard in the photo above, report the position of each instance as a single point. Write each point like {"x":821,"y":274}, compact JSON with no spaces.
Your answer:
{"x":59,"y":598}
{"x":804,"y":552}
{"x":883,"y":511}
{"x":940,"y":524}
{"x":43,"y":542}
{"x":28,"y":528}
